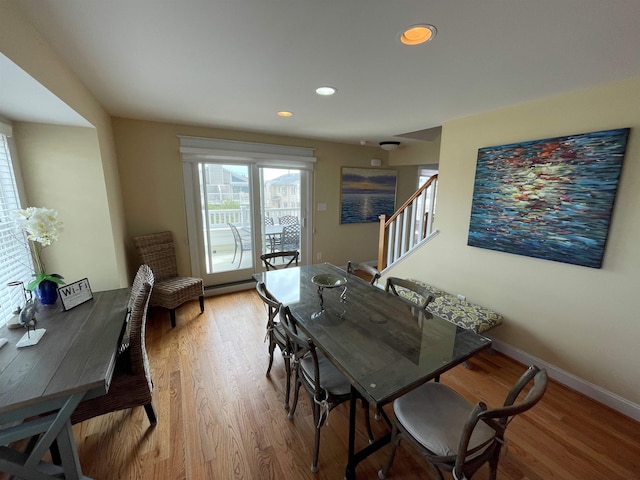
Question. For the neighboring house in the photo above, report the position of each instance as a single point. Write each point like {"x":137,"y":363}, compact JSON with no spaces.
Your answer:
{"x":283,"y":191}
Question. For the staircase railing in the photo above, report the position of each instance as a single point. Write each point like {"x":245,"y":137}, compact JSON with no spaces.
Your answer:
{"x":408,"y":226}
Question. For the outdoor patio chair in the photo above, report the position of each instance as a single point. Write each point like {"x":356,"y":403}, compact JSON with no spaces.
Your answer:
{"x":288,"y":220}
{"x":290,"y":239}
{"x":242,"y":244}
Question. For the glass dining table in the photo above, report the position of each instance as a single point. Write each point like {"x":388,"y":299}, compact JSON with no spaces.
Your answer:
{"x":383,"y":344}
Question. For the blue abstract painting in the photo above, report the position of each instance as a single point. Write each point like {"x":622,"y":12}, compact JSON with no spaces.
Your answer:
{"x":549,"y":199}
{"x":366,"y":193}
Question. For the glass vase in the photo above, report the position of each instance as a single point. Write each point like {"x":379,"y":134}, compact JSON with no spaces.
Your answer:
{"x":47,"y":292}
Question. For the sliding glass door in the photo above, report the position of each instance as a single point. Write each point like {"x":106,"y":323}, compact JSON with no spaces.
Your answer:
{"x":237,"y":212}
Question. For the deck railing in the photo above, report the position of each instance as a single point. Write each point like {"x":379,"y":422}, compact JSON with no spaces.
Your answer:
{"x":410,"y":225}
{"x":240,"y":216}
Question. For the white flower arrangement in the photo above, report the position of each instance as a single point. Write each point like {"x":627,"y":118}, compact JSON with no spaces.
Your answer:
{"x":42,"y":228}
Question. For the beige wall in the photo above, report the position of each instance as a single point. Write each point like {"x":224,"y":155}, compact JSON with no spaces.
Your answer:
{"x":61,"y":169}
{"x":21,"y":43}
{"x":580,"y":319}
{"x":153,"y":191}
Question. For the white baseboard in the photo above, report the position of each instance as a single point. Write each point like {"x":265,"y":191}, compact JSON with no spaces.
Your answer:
{"x":595,"y":392}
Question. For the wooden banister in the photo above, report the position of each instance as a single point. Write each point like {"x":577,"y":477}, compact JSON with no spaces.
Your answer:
{"x":407,"y":240}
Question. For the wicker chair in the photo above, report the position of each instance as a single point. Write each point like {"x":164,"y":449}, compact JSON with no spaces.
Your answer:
{"x":131,"y":385}
{"x":157,"y":250}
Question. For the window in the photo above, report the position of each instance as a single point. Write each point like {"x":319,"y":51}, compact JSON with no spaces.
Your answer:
{"x":15,"y":259}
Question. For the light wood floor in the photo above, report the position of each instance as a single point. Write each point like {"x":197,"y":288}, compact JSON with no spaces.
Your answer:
{"x":221,"y":418}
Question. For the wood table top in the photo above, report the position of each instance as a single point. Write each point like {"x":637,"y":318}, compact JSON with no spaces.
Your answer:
{"x":76,"y":354}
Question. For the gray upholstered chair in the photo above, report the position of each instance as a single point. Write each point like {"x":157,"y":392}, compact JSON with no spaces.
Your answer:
{"x":288,"y":259}
{"x":131,"y":385}
{"x":353,"y":268}
{"x":326,"y":386}
{"x":158,"y":251}
{"x":276,"y":337}
{"x":453,"y":434}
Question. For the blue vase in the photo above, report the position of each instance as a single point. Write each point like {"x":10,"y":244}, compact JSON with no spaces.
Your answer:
{"x":47,"y":292}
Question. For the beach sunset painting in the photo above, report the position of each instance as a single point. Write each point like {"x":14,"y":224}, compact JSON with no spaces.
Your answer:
{"x":550,"y":198}
{"x":366,"y":193}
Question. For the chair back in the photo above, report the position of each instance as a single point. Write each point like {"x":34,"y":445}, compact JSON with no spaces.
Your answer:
{"x":157,"y":250}
{"x":291,"y":237}
{"x":243,"y":243}
{"x":268,"y":221}
{"x":138,"y":304}
{"x":498,"y":418}
{"x":272,"y":305}
{"x":302,"y":347}
{"x":353,"y":267}
{"x":288,"y":259}
{"x":409,"y":291}
{"x":288,"y":220}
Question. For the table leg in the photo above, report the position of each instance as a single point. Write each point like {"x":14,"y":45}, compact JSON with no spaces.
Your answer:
{"x":350,"y":473}
{"x":69,"y":453}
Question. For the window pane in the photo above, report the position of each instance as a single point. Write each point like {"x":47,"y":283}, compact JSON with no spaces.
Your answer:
{"x":16,"y":264}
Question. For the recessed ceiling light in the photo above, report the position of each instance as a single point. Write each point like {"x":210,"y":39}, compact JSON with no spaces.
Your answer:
{"x":417,"y":34}
{"x":284,"y":113}
{"x":326,"y":90}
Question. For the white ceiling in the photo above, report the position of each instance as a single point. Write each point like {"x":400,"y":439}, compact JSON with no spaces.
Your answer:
{"x":235,"y":63}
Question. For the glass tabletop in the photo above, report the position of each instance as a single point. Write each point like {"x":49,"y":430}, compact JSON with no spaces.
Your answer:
{"x":383,"y":344}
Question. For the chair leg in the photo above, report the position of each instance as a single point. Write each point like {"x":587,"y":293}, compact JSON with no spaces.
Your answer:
{"x":316,"y":449}
{"x":172,"y":314}
{"x":201,"y":300}
{"x":151,"y":413}
{"x":395,"y":441}
{"x":287,"y":369}
{"x":296,"y":391}
{"x":272,"y":347}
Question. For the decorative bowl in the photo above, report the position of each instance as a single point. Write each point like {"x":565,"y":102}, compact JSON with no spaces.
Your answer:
{"x":328,"y":280}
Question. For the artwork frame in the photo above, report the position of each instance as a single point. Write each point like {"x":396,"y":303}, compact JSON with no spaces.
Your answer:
{"x":551,"y":198}
{"x":366,"y":193}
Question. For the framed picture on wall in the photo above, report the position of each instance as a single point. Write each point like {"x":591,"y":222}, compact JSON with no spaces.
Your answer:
{"x":366,"y":193}
{"x":549,"y":198}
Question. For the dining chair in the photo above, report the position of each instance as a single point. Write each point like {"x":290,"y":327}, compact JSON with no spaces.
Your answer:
{"x":170,"y":290}
{"x":353,"y":268}
{"x":242,"y":243}
{"x":131,"y":384}
{"x":290,"y":257}
{"x":290,"y":239}
{"x":409,"y":291}
{"x":325,"y":385}
{"x":453,"y":434}
{"x":276,"y":337}
{"x":288,"y":220}
{"x":268,"y":221}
